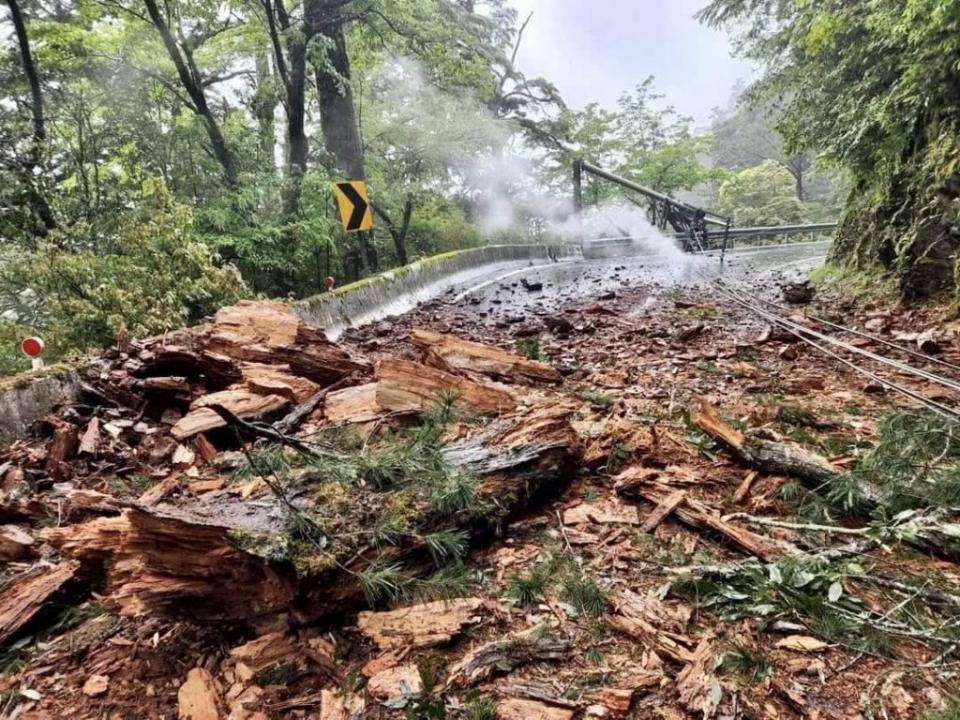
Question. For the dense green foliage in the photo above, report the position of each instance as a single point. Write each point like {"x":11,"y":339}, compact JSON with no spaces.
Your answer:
{"x":874,"y":86}
{"x":760,"y":195}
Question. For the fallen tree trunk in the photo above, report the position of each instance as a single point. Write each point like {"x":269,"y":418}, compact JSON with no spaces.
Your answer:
{"x":777,"y":458}
{"x":219,"y":558}
{"x":772,"y":457}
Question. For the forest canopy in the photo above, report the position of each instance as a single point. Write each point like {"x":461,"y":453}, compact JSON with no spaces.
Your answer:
{"x":160,"y":159}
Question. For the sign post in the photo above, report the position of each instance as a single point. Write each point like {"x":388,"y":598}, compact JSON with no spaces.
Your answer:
{"x":32,"y":347}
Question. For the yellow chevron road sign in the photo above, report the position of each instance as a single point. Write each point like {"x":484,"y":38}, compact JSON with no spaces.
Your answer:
{"x":355,"y":212}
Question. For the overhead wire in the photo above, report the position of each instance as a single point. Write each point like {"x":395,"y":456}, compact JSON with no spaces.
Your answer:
{"x":901,"y":366}
{"x":802,"y":333}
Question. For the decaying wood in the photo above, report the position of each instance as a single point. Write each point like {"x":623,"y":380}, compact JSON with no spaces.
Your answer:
{"x":62,"y":447}
{"x":265,"y":651}
{"x":341,"y":706}
{"x":521,"y":709}
{"x":505,"y":655}
{"x":295,"y":418}
{"x":355,"y":404}
{"x":778,"y":458}
{"x":697,"y":686}
{"x":663,"y":510}
{"x":243,"y":404}
{"x":15,"y":543}
{"x":189,"y":563}
{"x":199,"y":698}
{"x":698,"y":515}
{"x":26,"y":594}
{"x":403,"y":385}
{"x":535,"y":689}
{"x":90,"y":441}
{"x":91,"y":542}
{"x":158,"y":492}
{"x":743,"y":489}
{"x":395,"y":682}
{"x":654,"y":622}
{"x":276,"y":380}
{"x":425,"y":625}
{"x":486,"y":359}
{"x":271,"y":332}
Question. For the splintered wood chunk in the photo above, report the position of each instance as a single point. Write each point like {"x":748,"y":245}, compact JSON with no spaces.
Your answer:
{"x":243,"y":404}
{"x":341,"y":706}
{"x":395,"y":682}
{"x":257,"y":322}
{"x":485,"y":359}
{"x":91,"y":541}
{"x":663,"y":510}
{"x":405,"y":386}
{"x":768,"y":456}
{"x":426,"y":625}
{"x":198,"y":698}
{"x":697,"y":687}
{"x":90,"y":442}
{"x":617,"y":701}
{"x":62,"y":447}
{"x":96,"y":685}
{"x":264,"y":651}
{"x":743,"y":489}
{"x":504,"y":655}
{"x":15,"y":543}
{"x":270,"y":332}
{"x":183,"y":456}
{"x":520,"y":709}
{"x":277,"y":380}
{"x":699,"y":516}
{"x":356,"y":404}
{"x":24,"y":595}
{"x":153,"y":495}
{"x":205,"y":449}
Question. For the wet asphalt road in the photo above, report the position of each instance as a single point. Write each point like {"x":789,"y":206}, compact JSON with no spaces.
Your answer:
{"x":502,"y":294}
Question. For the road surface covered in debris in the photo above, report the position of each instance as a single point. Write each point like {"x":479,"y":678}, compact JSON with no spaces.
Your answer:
{"x":609,"y":503}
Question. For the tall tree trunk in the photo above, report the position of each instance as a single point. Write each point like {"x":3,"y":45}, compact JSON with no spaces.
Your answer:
{"x":338,"y":115}
{"x":297,"y":145}
{"x":38,"y":201}
{"x":193,"y":85}
{"x":797,"y":166}
{"x":399,"y":235}
{"x":264,"y":105}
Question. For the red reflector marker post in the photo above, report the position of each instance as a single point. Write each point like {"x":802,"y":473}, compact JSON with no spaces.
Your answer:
{"x":32,"y":347}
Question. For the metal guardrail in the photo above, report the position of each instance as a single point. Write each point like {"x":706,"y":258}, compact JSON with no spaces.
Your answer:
{"x":688,"y":223}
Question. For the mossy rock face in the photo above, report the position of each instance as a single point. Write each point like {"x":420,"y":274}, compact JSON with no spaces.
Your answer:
{"x":908,"y":225}
{"x":27,"y":398}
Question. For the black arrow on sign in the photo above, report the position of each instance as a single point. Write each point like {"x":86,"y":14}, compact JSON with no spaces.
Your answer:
{"x":359,"y":205}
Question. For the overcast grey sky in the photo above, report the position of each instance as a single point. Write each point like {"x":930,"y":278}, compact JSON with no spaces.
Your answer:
{"x":595,"y":49}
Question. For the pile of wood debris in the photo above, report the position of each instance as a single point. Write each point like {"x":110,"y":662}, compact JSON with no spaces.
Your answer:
{"x":182,"y":542}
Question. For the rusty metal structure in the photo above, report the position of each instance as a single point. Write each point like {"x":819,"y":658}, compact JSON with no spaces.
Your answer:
{"x":698,"y":230}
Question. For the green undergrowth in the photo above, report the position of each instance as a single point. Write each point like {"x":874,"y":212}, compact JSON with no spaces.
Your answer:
{"x":813,"y":593}
{"x":914,"y":465}
{"x":390,"y":498}
{"x":560,"y":573}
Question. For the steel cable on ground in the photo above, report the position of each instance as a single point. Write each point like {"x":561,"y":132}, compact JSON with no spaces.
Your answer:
{"x":860,"y":333}
{"x":903,"y":367}
{"x":798,"y":331}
